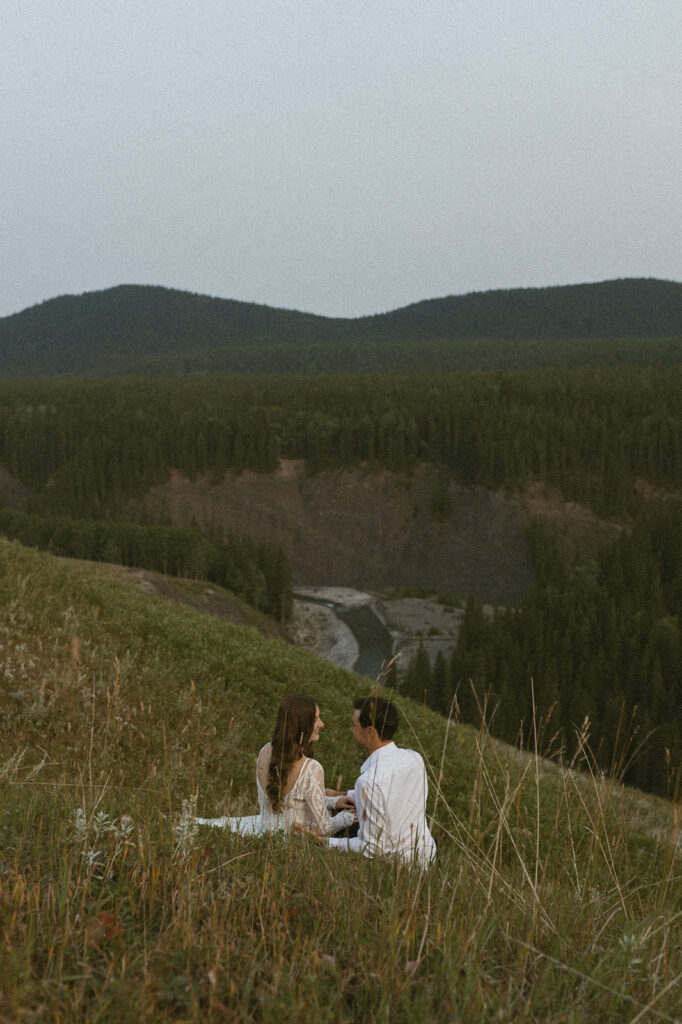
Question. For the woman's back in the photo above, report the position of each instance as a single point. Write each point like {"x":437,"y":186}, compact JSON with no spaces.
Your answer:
{"x":303,"y":800}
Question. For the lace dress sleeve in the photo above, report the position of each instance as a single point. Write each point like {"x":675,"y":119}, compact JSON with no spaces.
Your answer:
{"x":262,"y":766}
{"x":319,"y":818}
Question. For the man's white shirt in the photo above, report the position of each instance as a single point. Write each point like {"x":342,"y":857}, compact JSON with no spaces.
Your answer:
{"x":390,"y":798}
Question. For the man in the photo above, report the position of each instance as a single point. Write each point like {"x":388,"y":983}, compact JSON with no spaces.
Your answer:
{"x":390,"y":794}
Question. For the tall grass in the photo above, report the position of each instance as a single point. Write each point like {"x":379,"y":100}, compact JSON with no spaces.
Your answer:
{"x":556,"y":894}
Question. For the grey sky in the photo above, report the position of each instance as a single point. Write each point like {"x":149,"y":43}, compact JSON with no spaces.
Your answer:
{"x":340,"y":158}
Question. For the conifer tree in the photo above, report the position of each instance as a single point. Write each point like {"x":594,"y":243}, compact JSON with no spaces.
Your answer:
{"x":441,"y":685}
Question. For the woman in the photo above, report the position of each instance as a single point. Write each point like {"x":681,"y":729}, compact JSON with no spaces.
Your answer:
{"x":291,"y":793}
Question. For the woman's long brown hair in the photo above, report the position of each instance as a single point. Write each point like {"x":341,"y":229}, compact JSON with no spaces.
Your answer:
{"x":290,"y":741}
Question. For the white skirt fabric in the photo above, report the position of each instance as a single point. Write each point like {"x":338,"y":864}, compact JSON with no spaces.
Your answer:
{"x":305,"y":805}
{"x":251,"y":825}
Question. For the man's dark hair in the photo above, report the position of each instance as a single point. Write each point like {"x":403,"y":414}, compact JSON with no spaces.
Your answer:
{"x":380,"y":713}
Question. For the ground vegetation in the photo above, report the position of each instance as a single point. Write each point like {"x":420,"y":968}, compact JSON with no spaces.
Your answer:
{"x":555,"y":895}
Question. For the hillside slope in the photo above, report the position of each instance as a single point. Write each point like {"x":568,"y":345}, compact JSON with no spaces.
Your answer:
{"x":144,"y":329}
{"x":376,"y":529}
{"x":123,"y":712}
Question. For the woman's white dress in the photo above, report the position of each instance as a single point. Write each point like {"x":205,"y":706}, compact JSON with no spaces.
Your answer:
{"x":305,"y":804}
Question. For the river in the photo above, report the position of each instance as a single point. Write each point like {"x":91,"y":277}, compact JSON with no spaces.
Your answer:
{"x":375,"y":643}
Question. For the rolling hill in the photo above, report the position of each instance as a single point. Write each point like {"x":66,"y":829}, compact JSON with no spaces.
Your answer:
{"x":555,"y":895}
{"x":133,"y":329}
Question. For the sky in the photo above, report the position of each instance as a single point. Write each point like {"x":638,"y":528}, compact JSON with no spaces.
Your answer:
{"x":341,"y":158}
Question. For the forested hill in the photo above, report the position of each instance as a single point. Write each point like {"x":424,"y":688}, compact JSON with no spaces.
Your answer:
{"x":634,"y":308}
{"x":134,"y":329}
{"x":115,"y":330}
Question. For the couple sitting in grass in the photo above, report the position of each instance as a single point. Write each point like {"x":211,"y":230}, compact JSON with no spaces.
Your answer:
{"x":384,"y":814}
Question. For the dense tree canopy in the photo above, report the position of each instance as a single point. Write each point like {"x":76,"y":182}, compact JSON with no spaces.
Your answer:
{"x":83,"y":448}
{"x":592,"y":659}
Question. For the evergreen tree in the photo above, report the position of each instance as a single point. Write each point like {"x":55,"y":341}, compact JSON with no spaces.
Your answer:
{"x":441,"y":685}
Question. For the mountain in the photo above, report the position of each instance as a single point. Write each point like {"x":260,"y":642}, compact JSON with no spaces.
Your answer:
{"x":140,"y":329}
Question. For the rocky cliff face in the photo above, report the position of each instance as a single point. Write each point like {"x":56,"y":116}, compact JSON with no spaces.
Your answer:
{"x":373,"y":529}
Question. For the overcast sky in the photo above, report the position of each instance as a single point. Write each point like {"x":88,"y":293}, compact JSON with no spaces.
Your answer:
{"x":341,"y":158}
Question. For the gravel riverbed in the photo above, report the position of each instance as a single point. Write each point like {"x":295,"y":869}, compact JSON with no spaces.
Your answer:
{"x":409,"y":620}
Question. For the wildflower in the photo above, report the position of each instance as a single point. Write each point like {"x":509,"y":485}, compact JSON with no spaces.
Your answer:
{"x":186,"y":830}
{"x":92,"y":858}
{"x":80,"y":825}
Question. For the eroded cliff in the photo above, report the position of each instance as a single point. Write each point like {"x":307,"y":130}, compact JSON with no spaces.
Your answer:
{"x":373,"y":529}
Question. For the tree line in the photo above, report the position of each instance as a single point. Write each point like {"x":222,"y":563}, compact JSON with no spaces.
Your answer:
{"x":593,"y":654}
{"x":258,"y":572}
{"x":86,"y":448}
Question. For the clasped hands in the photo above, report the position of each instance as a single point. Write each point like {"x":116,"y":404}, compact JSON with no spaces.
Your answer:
{"x":345,"y":803}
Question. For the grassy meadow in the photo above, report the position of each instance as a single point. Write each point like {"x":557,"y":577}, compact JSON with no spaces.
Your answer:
{"x":556,"y":895}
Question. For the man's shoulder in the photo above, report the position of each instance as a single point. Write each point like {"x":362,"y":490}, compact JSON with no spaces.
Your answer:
{"x":408,"y":754}
{"x":394,"y":755}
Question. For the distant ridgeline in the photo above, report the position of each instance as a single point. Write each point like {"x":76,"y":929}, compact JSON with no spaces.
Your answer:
{"x":132,"y":329}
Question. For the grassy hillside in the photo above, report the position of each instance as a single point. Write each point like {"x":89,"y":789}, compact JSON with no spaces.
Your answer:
{"x":555,"y":897}
{"x":133,"y":329}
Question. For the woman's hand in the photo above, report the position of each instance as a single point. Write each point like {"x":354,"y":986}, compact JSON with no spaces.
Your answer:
{"x":345,"y":803}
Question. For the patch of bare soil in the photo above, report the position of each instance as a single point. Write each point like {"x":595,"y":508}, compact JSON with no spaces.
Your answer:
{"x":370,"y":529}
{"x":415,"y":620}
{"x":579,"y":530}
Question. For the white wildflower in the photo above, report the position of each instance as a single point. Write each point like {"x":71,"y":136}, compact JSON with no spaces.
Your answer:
{"x":80,"y":825}
{"x":11,"y":766}
{"x":632,"y":948}
{"x":92,"y":858}
{"x":186,"y":830}
{"x":101,"y":823}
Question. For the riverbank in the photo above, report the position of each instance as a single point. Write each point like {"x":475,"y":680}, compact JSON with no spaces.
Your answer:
{"x":409,"y":620}
{"x":318,"y":629}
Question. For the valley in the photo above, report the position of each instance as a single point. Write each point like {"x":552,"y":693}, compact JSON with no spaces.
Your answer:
{"x":550,"y":497}
{"x":391,"y":627}
{"x":206,"y":505}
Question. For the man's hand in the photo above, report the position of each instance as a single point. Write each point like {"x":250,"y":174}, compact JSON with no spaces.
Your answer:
{"x":345,"y":803}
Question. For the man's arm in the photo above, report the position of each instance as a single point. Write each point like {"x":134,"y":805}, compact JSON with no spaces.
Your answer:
{"x":354,"y":845}
{"x":373,"y":823}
